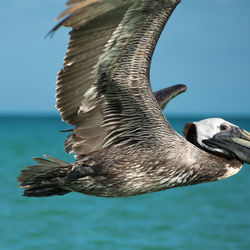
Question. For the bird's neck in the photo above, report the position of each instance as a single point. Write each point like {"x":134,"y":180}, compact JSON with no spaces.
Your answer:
{"x":210,"y":167}
{"x":191,"y":165}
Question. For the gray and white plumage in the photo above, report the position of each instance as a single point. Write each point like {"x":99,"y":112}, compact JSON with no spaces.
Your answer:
{"x":122,"y":142}
{"x":110,"y":41}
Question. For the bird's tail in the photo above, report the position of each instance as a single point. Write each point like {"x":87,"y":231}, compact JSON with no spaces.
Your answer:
{"x":44,"y":178}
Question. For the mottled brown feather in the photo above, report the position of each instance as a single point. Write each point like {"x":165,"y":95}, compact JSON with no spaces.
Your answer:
{"x":123,"y":143}
{"x":104,"y":89}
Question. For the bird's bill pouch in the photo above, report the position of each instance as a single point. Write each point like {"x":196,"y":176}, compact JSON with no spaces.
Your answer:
{"x":234,"y":142}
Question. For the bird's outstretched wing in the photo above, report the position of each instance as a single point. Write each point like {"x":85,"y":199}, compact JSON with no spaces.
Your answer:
{"x":103,"y":88}
{"x":163,"y":96}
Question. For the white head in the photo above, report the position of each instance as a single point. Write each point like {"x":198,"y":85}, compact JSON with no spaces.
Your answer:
{"x":219,"y":136}
{"x":208,"y":128}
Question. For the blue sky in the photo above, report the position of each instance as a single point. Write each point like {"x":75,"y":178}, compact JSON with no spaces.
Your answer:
{"x":205,"y":45}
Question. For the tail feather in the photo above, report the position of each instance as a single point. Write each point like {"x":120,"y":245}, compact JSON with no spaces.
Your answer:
{"x":42,"y":179}
{"x":44,"y":190}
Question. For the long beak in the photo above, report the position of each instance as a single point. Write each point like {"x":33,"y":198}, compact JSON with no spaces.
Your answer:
{"x":234,"y":142}
{"x":243,"y":139}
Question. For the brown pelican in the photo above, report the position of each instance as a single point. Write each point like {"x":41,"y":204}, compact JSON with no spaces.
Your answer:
{"x":122,"y":142}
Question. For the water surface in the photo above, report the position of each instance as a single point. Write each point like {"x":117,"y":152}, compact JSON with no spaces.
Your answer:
{"x":214,"y":215}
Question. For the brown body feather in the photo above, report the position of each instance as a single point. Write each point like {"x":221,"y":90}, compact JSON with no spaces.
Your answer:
{"x":122,"y":141}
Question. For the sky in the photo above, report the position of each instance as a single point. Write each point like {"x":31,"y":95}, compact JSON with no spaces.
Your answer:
{"x":205,"y":45}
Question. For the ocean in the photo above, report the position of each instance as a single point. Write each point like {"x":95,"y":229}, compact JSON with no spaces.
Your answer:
{"x":206,"y":216}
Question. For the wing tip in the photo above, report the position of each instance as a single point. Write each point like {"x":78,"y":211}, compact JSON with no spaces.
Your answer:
{"x":181,"y":87}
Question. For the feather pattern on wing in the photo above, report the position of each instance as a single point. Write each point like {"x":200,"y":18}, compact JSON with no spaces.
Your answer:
{"x":104,"y":89}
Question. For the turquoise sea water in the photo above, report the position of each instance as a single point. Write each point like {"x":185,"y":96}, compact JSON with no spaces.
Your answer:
{"x":207,"y":216}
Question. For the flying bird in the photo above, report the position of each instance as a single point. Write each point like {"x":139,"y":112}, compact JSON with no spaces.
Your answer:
{"x":123,"y":144}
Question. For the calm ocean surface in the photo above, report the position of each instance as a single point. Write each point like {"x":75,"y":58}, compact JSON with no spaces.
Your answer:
{"x":207,"y":216}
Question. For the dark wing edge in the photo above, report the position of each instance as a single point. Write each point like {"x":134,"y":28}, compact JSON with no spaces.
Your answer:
{"x":163,"y":96}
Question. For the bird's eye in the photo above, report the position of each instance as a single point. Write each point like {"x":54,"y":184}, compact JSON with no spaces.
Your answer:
{"x":224,"y":127}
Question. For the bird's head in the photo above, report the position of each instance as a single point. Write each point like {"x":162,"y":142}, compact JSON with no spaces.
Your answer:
{"x":219,"y":137}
